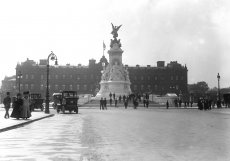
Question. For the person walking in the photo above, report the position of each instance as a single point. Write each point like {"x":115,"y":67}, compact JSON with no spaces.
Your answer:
{"x":105,"y":104}
{"x":135,"y":103}
{"x":115,"y":102}
{"x":7,"y":102}
{"x":144,"y":102}
{"x":167,"y":104}
{"x":126,"y":103}
{"x":147,"y":103}
{"x":25,"y":112}
{"x":17,"y":107}
{"x":120,"y":99}
{"x":101,"y":104}
{"x":114,"y":95}
{"x":124,"y":97}
{"x":110,"y":101}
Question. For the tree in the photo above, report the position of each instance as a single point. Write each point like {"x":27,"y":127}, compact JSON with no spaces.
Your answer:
{"x":198,"y":90}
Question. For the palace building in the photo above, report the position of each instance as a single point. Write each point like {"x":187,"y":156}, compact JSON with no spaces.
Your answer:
{"x":160,"y":79}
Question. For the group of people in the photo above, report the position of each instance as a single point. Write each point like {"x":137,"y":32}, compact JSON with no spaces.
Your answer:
{"x":179,"y":103}
{"x":20,"y":105}
{"x":133,"y":98}
{"x":204,"y":104}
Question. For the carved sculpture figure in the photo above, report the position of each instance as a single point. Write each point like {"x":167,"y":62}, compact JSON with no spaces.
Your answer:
{"x":115,"y":29}
{"x":115,"y":35}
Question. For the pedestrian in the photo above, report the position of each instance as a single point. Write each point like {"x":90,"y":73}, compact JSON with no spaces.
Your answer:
{"x":135,"y":103}
{"x":110,"y":101}
{"x":180,"y":102}
{"x":199,"y":104}
{"x":120,"y":99}
{"x":115,"y":102}
{"x":167,"y":104}
{"x":7,"y":102}
{"x":124,"y":97}
{"x":147,"y":103}
{"x":206,"y":106}
{"x":126,"y":103}
{"x":17,"y":106}
{"x":114,"y":95}
{"x":25,"y":111}
{"x":110,"y":95}
{"x":144,"y":102}
{"x":101,"y":104}
{"x":175,"y":102}
{"x":105,"y":104}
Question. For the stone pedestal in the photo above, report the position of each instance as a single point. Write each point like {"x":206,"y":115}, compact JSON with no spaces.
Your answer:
{"x":117,"y":87}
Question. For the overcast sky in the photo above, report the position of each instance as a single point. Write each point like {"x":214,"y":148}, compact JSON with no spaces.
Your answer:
{"x":192,"y":32}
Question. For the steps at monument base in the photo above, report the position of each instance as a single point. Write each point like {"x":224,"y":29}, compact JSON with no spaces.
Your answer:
{"x":96,"y":103}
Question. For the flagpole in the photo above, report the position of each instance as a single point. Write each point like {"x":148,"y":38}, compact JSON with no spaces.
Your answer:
{"x":103,"y":48}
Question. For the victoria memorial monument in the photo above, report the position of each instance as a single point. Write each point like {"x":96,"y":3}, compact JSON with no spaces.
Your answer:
{"x":115,"y":76}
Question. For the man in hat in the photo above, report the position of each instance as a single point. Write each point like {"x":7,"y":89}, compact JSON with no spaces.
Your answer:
{"x":7,"y":102}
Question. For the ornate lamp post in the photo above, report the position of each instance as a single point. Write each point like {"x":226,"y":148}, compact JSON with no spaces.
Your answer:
{"x":19,"y":81}
{"x":218,"y":102}
{"x":52,"y":57}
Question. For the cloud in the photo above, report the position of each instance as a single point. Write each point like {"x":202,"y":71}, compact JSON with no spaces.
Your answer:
{"x":179,"y":30}
{"x":192,"y":32}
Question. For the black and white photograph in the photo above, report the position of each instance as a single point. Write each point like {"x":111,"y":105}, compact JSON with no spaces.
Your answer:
{"x":115,"y":80}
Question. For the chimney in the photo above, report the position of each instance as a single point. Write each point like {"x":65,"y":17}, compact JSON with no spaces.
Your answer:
{"x":161,"y":64}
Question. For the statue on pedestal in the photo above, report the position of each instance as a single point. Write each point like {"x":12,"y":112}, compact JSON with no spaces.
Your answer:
{"x":115,"y":29}
{"x":115,"y":35}
{"x":115,"y":76}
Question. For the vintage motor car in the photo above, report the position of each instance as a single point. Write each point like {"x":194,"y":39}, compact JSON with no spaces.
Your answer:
{"x":36,"y":102}
{"x":69,"y":102}
{"x":57,"y":97}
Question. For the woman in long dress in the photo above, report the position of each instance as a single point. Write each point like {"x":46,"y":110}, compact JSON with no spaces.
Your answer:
{"x":17,"y":105}
{"x":25,"y":113}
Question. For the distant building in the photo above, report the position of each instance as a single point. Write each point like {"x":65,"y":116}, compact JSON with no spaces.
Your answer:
{"x":160,"y":79}
{"x":8,"y":85}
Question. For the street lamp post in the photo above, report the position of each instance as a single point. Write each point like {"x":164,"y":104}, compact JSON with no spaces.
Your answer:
{"x":19,"y":81}
{"x":52,"y":57}
{"x":218,"y":101}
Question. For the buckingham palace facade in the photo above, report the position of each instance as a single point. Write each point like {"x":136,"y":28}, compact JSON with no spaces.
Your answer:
{"x":160,"y":79}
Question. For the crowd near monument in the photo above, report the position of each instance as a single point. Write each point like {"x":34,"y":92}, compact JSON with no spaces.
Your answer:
{"x":115,"y":76}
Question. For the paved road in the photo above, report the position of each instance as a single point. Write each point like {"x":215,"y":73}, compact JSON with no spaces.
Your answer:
{"x":122,"y":135}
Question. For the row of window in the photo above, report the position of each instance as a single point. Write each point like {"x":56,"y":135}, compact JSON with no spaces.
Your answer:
{"x":155,"y":87}
{"x":85,"y":87}
{"x":56,"y":87}
{"x":157,"y":78}
{"x":27,"y":76}
{"x":79,"y":77}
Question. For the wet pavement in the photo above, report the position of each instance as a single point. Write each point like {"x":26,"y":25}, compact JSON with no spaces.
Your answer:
{"x":122,"y":135}
{"x":12,"y":123}
{"x":54,"y":138}
{"x":146,"y":135}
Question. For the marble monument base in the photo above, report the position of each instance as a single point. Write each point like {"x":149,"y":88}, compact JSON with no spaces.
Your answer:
{"x":117,"y":87}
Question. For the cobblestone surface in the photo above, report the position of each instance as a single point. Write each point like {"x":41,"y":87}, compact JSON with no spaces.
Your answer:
{"x":122,"y":135}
